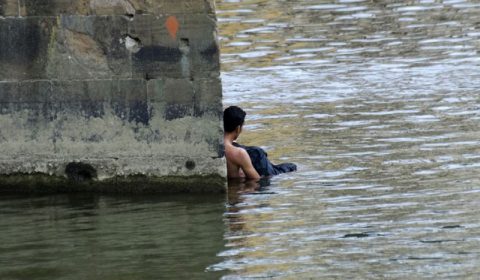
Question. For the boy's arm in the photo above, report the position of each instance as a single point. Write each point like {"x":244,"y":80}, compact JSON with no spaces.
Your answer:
{"x":247,"y":166}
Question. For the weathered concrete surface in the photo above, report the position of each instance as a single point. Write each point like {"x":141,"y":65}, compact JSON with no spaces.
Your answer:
{"x":128,"y":89}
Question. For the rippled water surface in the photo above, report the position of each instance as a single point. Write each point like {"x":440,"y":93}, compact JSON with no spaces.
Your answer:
{"x":378,"y":102}
{"x":110,"y":237}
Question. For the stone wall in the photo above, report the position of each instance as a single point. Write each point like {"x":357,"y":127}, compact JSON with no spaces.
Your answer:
{"x":110,"y":95}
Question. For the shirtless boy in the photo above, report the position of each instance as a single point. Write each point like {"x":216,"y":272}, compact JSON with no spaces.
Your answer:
{"x":239,"y":163}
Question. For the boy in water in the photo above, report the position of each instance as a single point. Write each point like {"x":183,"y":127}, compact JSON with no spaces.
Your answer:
{"x":239,"y":163}
{"x":243,"y":161}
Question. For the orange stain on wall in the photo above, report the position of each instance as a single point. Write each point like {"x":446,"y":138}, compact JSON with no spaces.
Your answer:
{"x":172,"y":25}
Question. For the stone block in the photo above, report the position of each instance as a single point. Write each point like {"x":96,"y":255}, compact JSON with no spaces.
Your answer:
{"x":104,"y":7}
{"x":74,"y":98}
{"x":179,"y":98}
{"x":155,"y":90}
{"x":64,"y":92}
{"x":110,"y":33}
{"x":79,"y":7}
{"x":208,"y":97}
{"x":152,"y":62}
{"x":8,"y":8}
{"x":205,"y":62}
{"x":159,"y":7}
{"x":90,"y":48}
{"x":100,"y":90}
{"x":130,"y":90}
{"x":24,"y":47}
{"x":193,"y":51}
{"x":128,"y":8}
{"x":8,"y":91}
{"x":210,"y":8}
{"x":140,"y":28}
{"x":28,"y":99}
{"x":32,"y":91}
{"x":178,"y":91}
{"x":49,"y":7}
{"x":155,"y":98}
{"x":127,"y":99}
{"x":200,"y":31}
{"x":24,"y":92}
{"x":115,"y":7}
{"x":158,"y":55}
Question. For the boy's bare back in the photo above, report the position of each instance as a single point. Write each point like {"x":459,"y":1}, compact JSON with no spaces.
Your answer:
{"x":239,"y":164}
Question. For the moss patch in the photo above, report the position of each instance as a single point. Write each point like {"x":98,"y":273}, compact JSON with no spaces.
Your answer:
{"x":42,"y":183}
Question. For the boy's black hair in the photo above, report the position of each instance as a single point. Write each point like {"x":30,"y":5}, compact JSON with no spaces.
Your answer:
{"x":233,"y":116}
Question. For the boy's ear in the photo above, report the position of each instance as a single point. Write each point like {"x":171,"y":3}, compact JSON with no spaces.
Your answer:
{"x":238,"y":129}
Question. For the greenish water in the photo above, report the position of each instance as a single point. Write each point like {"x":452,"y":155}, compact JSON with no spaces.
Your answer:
{"x":110,"y":237}
{"x":376,"y":101}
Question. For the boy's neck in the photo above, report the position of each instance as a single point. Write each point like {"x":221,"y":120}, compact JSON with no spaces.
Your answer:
{"x":229,"y":138}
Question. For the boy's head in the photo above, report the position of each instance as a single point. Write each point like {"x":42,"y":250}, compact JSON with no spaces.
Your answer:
{"x":233,"y":117}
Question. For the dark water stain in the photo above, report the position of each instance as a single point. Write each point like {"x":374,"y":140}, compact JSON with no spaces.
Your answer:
{"x":92,"y":109}
{"x":20,"y":42}
{"x":210,"y":53}
{"x":39,"y":7}
{"x":133,"y":111}
{"x":176,"y":111}
{"x":80,"y":172}
{"x":139,"y":112}
{"x":158,"y":54}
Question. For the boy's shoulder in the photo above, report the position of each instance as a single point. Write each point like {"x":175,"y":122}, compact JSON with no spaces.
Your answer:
{"x":237,"y":154}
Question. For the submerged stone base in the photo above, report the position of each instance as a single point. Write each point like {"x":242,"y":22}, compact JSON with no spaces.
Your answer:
{"x":111,"y":175}
{"x":41,"y":183}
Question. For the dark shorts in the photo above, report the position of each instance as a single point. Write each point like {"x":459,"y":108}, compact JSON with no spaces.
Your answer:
{"x":261,"y":163}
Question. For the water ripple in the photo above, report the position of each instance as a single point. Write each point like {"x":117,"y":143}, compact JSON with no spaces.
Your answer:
{"x":377,"y":101}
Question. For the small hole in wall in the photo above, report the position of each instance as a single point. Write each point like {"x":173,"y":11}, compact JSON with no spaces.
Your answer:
{"x":132,"y":44}
{"x":184,"y":42}
{"x":190,"y":165}
{"x":80,"y":172}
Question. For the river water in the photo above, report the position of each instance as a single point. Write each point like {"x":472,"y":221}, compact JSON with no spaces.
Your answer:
{"x":376,"y":101}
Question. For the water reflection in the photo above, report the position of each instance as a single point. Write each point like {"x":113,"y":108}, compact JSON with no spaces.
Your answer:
{"x":377,"y":103}
{"x":110,"y":237}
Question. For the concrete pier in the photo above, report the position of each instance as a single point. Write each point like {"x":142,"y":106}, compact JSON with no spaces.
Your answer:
{"x":110,"y":95}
